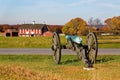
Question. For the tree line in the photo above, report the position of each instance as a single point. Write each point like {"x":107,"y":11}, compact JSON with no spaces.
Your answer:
{"x":78,"y":26}
{"x":4,"y":27}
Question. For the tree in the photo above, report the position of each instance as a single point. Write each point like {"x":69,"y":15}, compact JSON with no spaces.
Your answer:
{"x":109,"y":22}
{"x":94,"y":22}
{"x":5,"y":27}
{"x":91,"y":22}
{"x":75,"y":26}
{"x":113,"y":23}
{"x":97,"y":22}
{"x":116,"y":23}
{"x":106,"y":28}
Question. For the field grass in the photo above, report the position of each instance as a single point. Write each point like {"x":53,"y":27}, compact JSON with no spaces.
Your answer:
{"x":25,"y":42}
{"x":42,"y":67}
{"x":109,"y":41}
{"x":45,"y":42}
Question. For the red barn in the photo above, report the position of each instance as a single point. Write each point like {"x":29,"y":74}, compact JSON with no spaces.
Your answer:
{"x":29,"y":30}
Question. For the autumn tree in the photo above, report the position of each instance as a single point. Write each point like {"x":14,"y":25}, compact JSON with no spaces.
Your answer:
{"x":113,"y":23}
{"x":106,"y":28}
{"x":75,"y":26}
{"x":116,"y":23}
{"x":109,"y":22}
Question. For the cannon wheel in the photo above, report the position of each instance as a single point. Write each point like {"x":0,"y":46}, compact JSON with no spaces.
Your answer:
{"x":56,"y":47}
{"x":92,"y":44}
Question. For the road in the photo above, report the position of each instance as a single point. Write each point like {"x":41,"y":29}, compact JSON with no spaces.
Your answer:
{"x":45,"y":51}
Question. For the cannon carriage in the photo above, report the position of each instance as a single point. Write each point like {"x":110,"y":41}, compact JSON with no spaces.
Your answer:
{"x":86,"y":52}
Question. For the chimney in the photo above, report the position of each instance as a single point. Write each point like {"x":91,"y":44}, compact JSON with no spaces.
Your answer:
{"x":33,"y":22}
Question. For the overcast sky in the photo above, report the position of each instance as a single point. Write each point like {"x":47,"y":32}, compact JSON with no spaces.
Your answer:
{"x":56,"y":11}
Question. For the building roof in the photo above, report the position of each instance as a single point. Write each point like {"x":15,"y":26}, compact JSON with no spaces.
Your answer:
{"x":32,"y":26}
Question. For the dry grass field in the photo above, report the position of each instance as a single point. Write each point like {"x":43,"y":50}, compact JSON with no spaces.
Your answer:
{"x":42,"y":67}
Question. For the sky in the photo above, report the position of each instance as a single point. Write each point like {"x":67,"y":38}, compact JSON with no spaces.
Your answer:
{"x":56,"y":12}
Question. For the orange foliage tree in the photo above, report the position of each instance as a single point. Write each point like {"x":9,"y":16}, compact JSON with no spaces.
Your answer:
{"x":75,"y":26}
{"x":106,"y":28}
{"x":113,"y":23}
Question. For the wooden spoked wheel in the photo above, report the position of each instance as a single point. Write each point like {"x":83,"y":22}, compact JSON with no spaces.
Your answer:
{"x":92,"y":44}
{"x":56,"y":47}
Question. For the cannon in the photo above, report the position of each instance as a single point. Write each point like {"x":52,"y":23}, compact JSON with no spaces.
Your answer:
{"x":86,"y":52}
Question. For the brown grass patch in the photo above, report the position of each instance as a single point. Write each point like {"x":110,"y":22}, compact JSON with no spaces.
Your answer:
{"x":110,"y":40}
{"x":109,"y":71}
{"x":13,"y":72}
